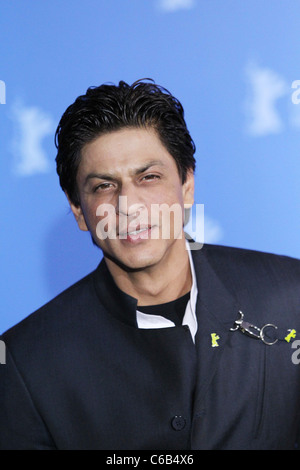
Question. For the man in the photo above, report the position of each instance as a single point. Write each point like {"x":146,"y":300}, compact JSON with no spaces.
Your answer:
{"x":163,"y":346}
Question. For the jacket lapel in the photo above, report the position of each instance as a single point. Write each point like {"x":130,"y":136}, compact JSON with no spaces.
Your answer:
{"x":216,"y":311}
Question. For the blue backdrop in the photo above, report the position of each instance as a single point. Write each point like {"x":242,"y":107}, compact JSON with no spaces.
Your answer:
{"x":232,"y":63}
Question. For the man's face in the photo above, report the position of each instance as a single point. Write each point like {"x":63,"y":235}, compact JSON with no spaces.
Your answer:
{"x":127,"y":180}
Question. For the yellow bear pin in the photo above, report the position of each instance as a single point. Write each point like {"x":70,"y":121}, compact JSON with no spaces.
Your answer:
{"x":291,"y":335}
{"x":214,"y":340}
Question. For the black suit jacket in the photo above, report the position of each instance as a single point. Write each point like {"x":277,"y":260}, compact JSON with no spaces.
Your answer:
{"x":79,"y":374}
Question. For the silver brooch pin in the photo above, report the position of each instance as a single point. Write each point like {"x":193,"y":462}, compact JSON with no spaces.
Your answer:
{"x":252,"y":330}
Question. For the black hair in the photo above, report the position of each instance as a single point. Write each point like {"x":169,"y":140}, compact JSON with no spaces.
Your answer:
{"x":108,"y":108}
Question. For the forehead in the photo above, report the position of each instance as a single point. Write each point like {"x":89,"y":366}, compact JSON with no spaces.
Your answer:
{"x":125,"y":149}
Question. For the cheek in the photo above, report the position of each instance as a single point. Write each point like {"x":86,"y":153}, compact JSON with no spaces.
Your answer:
{"x":166,"y":194}
{"x":95,"y":213}
{"x":169,"y":216}
{"x":89,"y":212}
{"x":103,"y":223}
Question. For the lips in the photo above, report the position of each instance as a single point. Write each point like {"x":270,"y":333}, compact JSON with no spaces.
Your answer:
{"x":137,"y":233}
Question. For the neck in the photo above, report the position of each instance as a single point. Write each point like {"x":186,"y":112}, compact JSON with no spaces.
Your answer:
{"x":157,"y":284}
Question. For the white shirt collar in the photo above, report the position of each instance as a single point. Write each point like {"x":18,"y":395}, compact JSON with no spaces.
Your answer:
{"x":145,"y":321}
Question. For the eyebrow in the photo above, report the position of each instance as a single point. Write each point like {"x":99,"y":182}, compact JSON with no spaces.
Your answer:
{"x":111,"y":177}
{"x":148,"y":165}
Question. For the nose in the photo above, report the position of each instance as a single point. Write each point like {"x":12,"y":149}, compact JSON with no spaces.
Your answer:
{"x":128,"y":203}
{"x":130,"y":210}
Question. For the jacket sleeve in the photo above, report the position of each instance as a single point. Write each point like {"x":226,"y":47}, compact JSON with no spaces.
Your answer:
{"x":21,"y":426}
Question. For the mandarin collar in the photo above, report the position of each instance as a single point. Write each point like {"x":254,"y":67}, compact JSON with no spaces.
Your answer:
{"x":213,"y":296}
{"x":116,"y":302}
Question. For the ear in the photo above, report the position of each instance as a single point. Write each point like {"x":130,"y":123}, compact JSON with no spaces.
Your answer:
{"x":78,"y":214}
{"x":188,"y":190}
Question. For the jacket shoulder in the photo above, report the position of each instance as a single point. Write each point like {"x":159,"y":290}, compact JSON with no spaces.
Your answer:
{"x":57,"y":313}
{"x":232,"y":256}
{"x":258,"y":280}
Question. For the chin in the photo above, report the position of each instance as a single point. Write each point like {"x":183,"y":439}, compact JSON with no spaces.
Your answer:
{"x":138,"y":262}
{"x":139,"y":257}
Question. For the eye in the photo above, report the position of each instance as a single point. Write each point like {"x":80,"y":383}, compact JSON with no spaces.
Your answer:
{"x":150,"y":177}
{"x":103,"y":187}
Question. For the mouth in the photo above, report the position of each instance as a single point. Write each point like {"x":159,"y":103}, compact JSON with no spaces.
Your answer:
{"x":139,"y":233}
